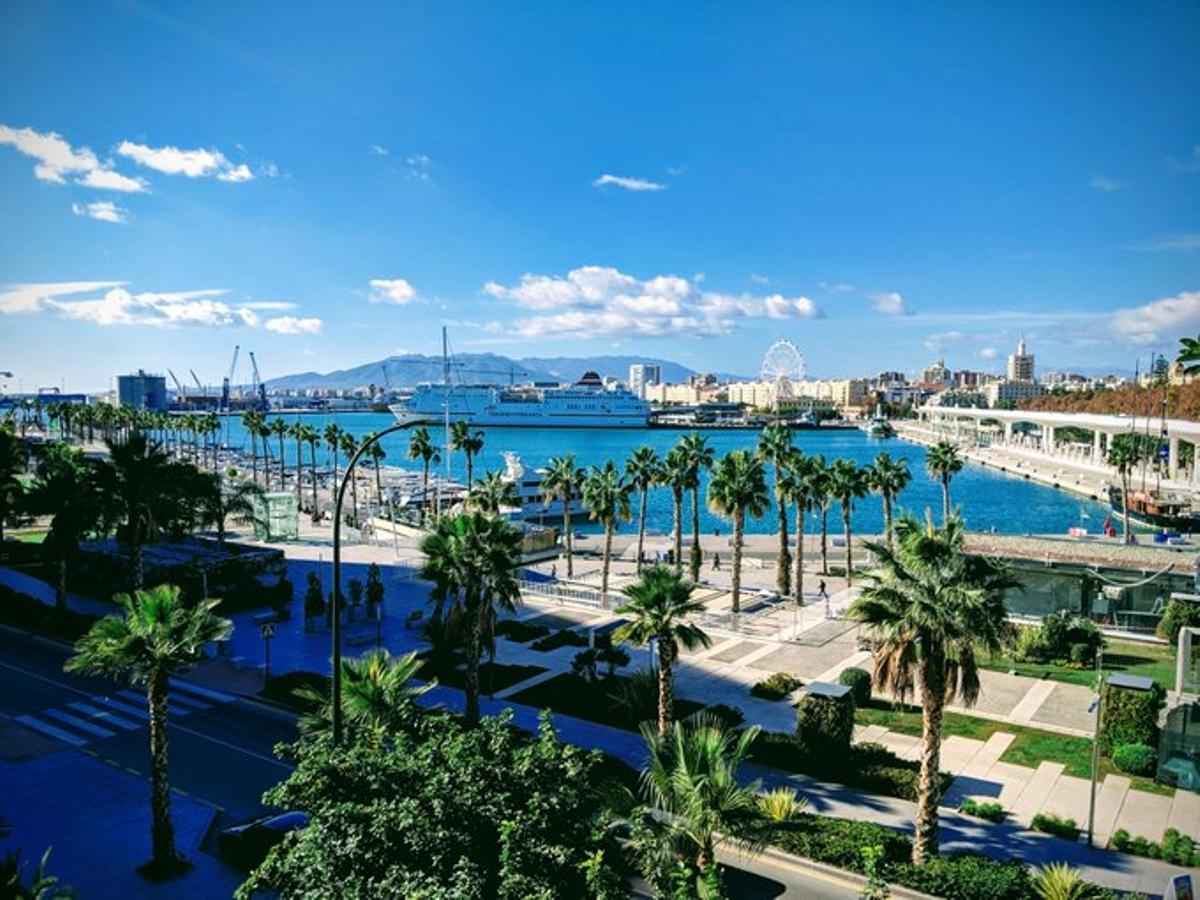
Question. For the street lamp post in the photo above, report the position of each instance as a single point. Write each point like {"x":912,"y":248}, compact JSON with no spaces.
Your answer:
{"x":336,"y":606}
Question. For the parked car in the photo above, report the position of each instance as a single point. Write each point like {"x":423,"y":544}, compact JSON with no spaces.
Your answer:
{"x":248,"y":843}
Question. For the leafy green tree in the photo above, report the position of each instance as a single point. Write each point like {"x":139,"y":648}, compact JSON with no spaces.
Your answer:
{"x":738,"y":488}
{"x":943,"y":462}
{"x":421,"y":447}
{"x":887,"y":477}
{"x":470,"y":442}
{"x":605,"y":494}
{"x":157,"y":636}
{"x":377,"y":697}
{"x":847,"y":482}
{"x":66,"y":490}
{"x":799,"y":479}
{"x":1124,"y":455}
{"x":516,"y":817}
{"x":677,"y":474}
{"x":14,"y":456}
{"x":933,"y":607}
{"x":700,"y":456}
{"x":563,"y":482}
{"x":471,"y":560}
{"x":775,"y":448}
{"x":659,"y":605}
{"x":642,"y":471}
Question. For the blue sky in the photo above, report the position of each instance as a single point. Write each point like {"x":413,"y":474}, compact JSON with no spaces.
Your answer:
{"x":880,"y":183}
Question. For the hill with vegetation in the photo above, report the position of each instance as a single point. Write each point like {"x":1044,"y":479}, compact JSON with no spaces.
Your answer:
{"x":1183,"y":402}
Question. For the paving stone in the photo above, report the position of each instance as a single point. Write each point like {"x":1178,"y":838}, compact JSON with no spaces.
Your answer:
{"x":1069,"y":799}
{"x":1185,"y":813}
{"x":1067,"y":707}
{"x":1144,"y":814}
{"x":1110,"y":797}
{"x":1038,"y":788}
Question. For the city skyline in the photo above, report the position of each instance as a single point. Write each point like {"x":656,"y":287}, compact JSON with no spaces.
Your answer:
{"x":548,"y":182}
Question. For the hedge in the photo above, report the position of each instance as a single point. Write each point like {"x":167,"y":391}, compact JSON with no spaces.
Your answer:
{"x":859,"y":682}
{"x":1049,"y":823}
{"x":1135,"y":759}
{"x":775,"y":686}
{"x":1176,"y":848}
{"x":825,"y":725}
{"x":992,"y":812}
{"x":1178,"y":613}
{"x":1128,"y":717}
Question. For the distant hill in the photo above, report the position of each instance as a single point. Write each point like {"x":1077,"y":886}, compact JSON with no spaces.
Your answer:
{"x":484,"y":368}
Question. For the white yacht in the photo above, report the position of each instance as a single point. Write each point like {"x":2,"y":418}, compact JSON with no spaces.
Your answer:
{"x":533,"y":504}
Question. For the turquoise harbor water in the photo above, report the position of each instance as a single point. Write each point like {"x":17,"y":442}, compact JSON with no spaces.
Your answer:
{"x":990,"y":501}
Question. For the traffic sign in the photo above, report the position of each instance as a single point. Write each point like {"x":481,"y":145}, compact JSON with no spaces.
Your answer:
{"x":267,"y":631}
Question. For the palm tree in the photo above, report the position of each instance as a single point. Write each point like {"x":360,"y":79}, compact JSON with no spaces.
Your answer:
{"x":252,"y":422}
{"x":642,"y":471}
{"x":933,"y":607}
{"x":279,"y":429}
{"x":562,"y":482}
{"x":312,"y":437}
{"x":349,"y":447}
{"x":700,"y":456}
{"x":470,"y":559}
{"x":333,"y":440}
{"x":847,"y":482}
{"x":492,"y":493}
{"x":377,"y":695}
{"x":775,"y":448}
{"x":1124,"y":455}
{"x":212,"y":427}
{"x":296,"y":433}
{"x":218,"y":502}
{"x":14,"y":455}
{"x":376,"y":454}
{"x":822,"y":499}
{"x":887,"y":477}
{"x":799,"y":476}
{"x":136,"y":481}
{"x":421,"y":447}
{"x":1189,"y":355}
{"x":678,"y":476}
{"x":943,"y":463}
{"x":606,"y":495}
{"x":158,"y":635}
{"x":65,"y":489}
{"x":738,"y":487}
{"x":659,"y":605}
{"x":469,"y":442}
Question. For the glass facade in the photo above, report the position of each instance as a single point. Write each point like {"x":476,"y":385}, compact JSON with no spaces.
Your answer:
{"x":276,"y":517}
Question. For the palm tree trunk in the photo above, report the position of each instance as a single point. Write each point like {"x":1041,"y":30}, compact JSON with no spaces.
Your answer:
{"x":678,"y":532}
{"x":312,"y":458}
{"x":799,"y":554}
{"x":568,"y":537}
{"x":925,"y":841}
{"x":783,"y":565}
{"x":695,"y":554}
{"x":470,"y":473}
{"x":608,"y":533}
{"x":473,"y":654}
{"x":945,"y":499}
{"x":353,"y":494}
{"x":335,"y":471}
{"x":739,"y":525}
{"x":254,"y":456}
{"x":60,"y":589}
{"x":135,"y":563}
{"x":849,"y":548}
{"x":641,"y":528}
{"x":162,"y":832}
{"x":299,"y":473}
{"x":887,"y":519}
{"x":666,"y":684}
{"x":282,"y":480}
{"x":824,"y":540}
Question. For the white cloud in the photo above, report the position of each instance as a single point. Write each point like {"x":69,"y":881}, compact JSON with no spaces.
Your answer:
{"x":119,"y":307}
{"x":1159,"y":320}
{"x":759,"y":279}
{"x":602,"y":302}
{"x":628,"y":183}
{"x":377,"y":150}
{"x":1107,"y":185}
{"x":396,"y":291}
{"x":293,"y":325}
{"x":56,"y":158}
{"x":199,"y":163}
{"x":266,"y":305}
{"x":104,"y":210}
{"x":1173,"y":243}
{"x":988,"y":353}
{"x":108,"y":180}
{"x":889,"y":303}
{"x":419,"y":167}
{"x":836,"y":287}
{"x":27,"y":298}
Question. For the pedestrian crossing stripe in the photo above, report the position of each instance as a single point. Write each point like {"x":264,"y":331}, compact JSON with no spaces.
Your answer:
{"x":38,"y":725}
{"x":104,"y":716}
{"x":79,"y":724}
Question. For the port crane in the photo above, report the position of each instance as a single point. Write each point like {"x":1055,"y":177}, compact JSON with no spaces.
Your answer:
{"x":203,"y":391}
{"x":226,"y":385}
{"x":259,"y":389}
{"x":178,"y":386}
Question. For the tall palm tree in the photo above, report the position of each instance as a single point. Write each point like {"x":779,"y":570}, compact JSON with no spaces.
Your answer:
{"x":933,"y":607}
{"x":775,"y":448}
{"x":350,"y":447}
{"x":137,"y":482}
{"x":421,"y":447}
{"x":14,"y":456}
{"x":158,"y":635}
{"x":333,"y":440}
{"x":469,"y":442}
{"x":642,"y":471}
{"x":212,"y":427}
{"x":822,"y":501}
{"x":562,"y":482}
{"x":252,"y":421}
{"x":738,"y":488}
{"x":279,"y":428}
{"x":377,"y":695}
{"x":218,"y":501}
{"x":65,"y":489}
{"x":1124,"y":455}
{"x":943,"y":462}
{"x":847,"y":483}
{"x":798,"y":484}
{"x":492,"y":493}
{"x":312,"y":437}
{"x":296,"y":432}
{"x":700,"y":457}
{"x":605,"y":494}
{"x":678,"y":476}
{"x":376,"y":454}
{"x":659,"y":605}
{"x":471,"y":559}
{"x":887,"y":477}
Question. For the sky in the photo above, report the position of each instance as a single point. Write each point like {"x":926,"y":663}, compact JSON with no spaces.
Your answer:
{"x":328,"y":184}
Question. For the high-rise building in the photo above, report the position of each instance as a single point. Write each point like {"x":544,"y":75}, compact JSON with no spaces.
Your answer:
{"x":1020,"y":364}
{"x":642,"y":375}
{"x":937,"y":374}
{"x":142,"y":391}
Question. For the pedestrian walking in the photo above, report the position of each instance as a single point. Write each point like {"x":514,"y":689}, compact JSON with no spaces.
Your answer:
{"x":823,"y":594}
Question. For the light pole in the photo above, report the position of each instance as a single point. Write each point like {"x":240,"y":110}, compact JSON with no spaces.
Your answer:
{"x":336,"y":605}
{"x":1096,"y":704}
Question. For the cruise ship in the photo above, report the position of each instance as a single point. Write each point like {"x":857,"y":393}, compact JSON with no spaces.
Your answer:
{"x":585,"y":404}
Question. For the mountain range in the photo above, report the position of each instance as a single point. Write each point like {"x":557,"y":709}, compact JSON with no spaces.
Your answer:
{"x":478,"y":368}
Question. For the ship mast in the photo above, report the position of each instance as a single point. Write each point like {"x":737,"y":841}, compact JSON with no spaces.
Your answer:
{"x":446,"y":402}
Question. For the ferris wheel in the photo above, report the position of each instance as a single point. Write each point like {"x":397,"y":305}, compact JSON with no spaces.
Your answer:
{"x":783,"y":363}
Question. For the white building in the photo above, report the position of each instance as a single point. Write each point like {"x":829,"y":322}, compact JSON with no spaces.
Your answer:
{"x":641,"y":375}
{"x":1020,"y":364}
{"x":1006,"y":393}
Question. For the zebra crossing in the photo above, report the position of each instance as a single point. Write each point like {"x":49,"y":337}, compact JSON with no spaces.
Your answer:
{"x":79,"y":722}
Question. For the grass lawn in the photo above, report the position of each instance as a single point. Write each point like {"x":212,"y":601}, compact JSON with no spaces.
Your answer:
{"x":1030,"y":746}
{"x":1156,"y":661}
{"x":573,"y":696}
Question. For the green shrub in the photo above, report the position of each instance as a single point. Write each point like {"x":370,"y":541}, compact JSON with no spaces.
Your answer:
{"x":1083,"y":655}
{"x":1031,"y":644}
{"x":825,"y":724}
{"x":1178,"y":849}
{"x":1176,"y":615}
{"x":969,"y":875}
{"x":1061,"y":636}
{"x":775,"y":686}
{"x":564,"y":637}
{"x":730,"y":716}
{"x":1129,"y":717}
{"x":992,"y":812}
{"x":1119,"y":839}
{"x":859,"y":682}
{"x":520,"y":632}
{"x":1135,"y":759}
{"x":1049,"y":823}
{"x":839,"y":842}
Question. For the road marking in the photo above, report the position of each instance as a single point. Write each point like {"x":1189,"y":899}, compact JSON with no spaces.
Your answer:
{"x":61,"y":735}
{"x":104,"y":716}
{"x":76,"y":722}
{"x":207,"y":694}
{"x":208,"y":737}
{"x":124,"y":709}
{"x":173,"y":708}
{"x":188,"y":702}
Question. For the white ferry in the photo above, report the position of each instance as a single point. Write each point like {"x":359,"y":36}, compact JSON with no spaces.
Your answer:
{"x":585,"y":404}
